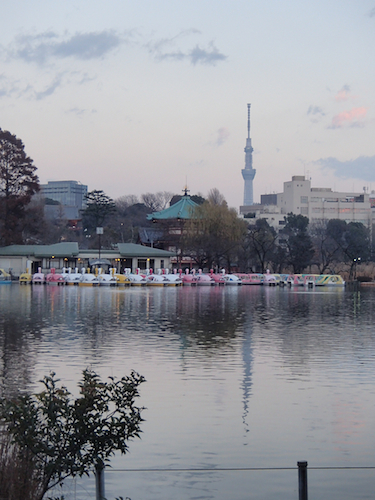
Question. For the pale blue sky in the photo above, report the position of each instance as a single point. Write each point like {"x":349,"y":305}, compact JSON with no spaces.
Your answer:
{"x":134,"y":97}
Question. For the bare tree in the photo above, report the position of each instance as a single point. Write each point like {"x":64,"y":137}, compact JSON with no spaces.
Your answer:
{"x":157,"y":201}
{"x":215,"y":197}
{"x":126,"y":201}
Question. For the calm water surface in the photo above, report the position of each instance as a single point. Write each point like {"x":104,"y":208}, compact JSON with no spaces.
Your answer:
{"x":237,"y":377}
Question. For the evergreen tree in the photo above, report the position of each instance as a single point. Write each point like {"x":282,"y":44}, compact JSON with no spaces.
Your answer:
{"x":18,"y":183}
{"x":300,"y":250}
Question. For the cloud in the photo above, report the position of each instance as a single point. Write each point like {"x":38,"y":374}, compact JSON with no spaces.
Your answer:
{"x":157,"y":45}
{"x":163,"y":49}
{"x":57,"y":82}
{"x":83,"y":46}
{"x":203,"y":56}
{"x":362,"y":168}
{"x":81,"y":111}
{"x":352,"y":118}
{"x":343,"y":94}
{"x":316,"y":113}
{"x":13,"y":87}
{"x":372,"y":12}
{"x":197,"y":55}
{"x":222,"y":136}
{"x":315,"y":110}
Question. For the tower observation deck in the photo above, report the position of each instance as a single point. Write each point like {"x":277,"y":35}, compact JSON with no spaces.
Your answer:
{"x":248,"y":173}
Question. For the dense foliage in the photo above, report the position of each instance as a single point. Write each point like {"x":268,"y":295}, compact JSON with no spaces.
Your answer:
{"x":65,"y":437}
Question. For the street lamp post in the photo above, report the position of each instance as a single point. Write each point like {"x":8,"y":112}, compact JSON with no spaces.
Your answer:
{"x":99,"y":232}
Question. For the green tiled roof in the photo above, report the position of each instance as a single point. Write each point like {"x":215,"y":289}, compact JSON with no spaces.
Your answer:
{"x":66,"y":249}
{"x":181,"y":210}
{"x":133,"y":250}
{"x":72,"y":250}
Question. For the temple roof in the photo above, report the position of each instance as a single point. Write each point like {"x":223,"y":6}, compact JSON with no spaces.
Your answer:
{"x":181,"y":210}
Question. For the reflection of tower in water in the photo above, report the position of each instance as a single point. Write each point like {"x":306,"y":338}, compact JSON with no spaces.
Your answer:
{"x":247,"y":359}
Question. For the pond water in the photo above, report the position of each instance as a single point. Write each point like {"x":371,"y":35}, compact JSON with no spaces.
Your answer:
{"x":242,"y":382}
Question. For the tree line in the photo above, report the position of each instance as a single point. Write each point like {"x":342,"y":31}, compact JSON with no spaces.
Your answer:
{"x":215,"y":237}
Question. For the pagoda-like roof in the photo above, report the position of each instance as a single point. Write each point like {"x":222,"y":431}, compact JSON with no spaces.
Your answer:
{"x":183,"y":209}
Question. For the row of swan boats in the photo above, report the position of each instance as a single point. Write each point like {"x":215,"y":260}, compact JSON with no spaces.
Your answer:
{"x":164,"y":278}
{"x":292,"y":280}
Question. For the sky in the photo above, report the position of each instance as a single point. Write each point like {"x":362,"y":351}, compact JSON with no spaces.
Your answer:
{"x":141,"y":97}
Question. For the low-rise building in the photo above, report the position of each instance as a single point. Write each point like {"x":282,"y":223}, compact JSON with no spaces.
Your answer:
{"x":18,"y":258}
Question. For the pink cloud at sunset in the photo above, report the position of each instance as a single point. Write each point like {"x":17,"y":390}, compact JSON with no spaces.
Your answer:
{"x":353,"y":118}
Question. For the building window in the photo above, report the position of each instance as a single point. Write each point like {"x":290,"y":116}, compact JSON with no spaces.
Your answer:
{"x":304,"y":210}
{"x":142,"y":263}
{"x":304,"y":199}
{"x":162,"y":263}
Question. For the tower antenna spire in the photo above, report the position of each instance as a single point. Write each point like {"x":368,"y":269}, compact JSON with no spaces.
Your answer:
{"x":248,"y":121}
{"x":248,"y":173}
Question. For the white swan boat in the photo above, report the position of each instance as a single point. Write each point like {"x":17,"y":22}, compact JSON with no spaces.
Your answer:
{"x":38,"y":278}
{"x":72,"y":278}
{"x":136,"y":279}
{"x":88,"y":279}
{"x":106,"y":279}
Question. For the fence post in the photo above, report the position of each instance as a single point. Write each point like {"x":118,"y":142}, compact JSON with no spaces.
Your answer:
{"x":99,"y":480}
{"x":302,"y":480}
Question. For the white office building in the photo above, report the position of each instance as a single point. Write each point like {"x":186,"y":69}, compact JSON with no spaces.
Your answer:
{"x":318,"y":204}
